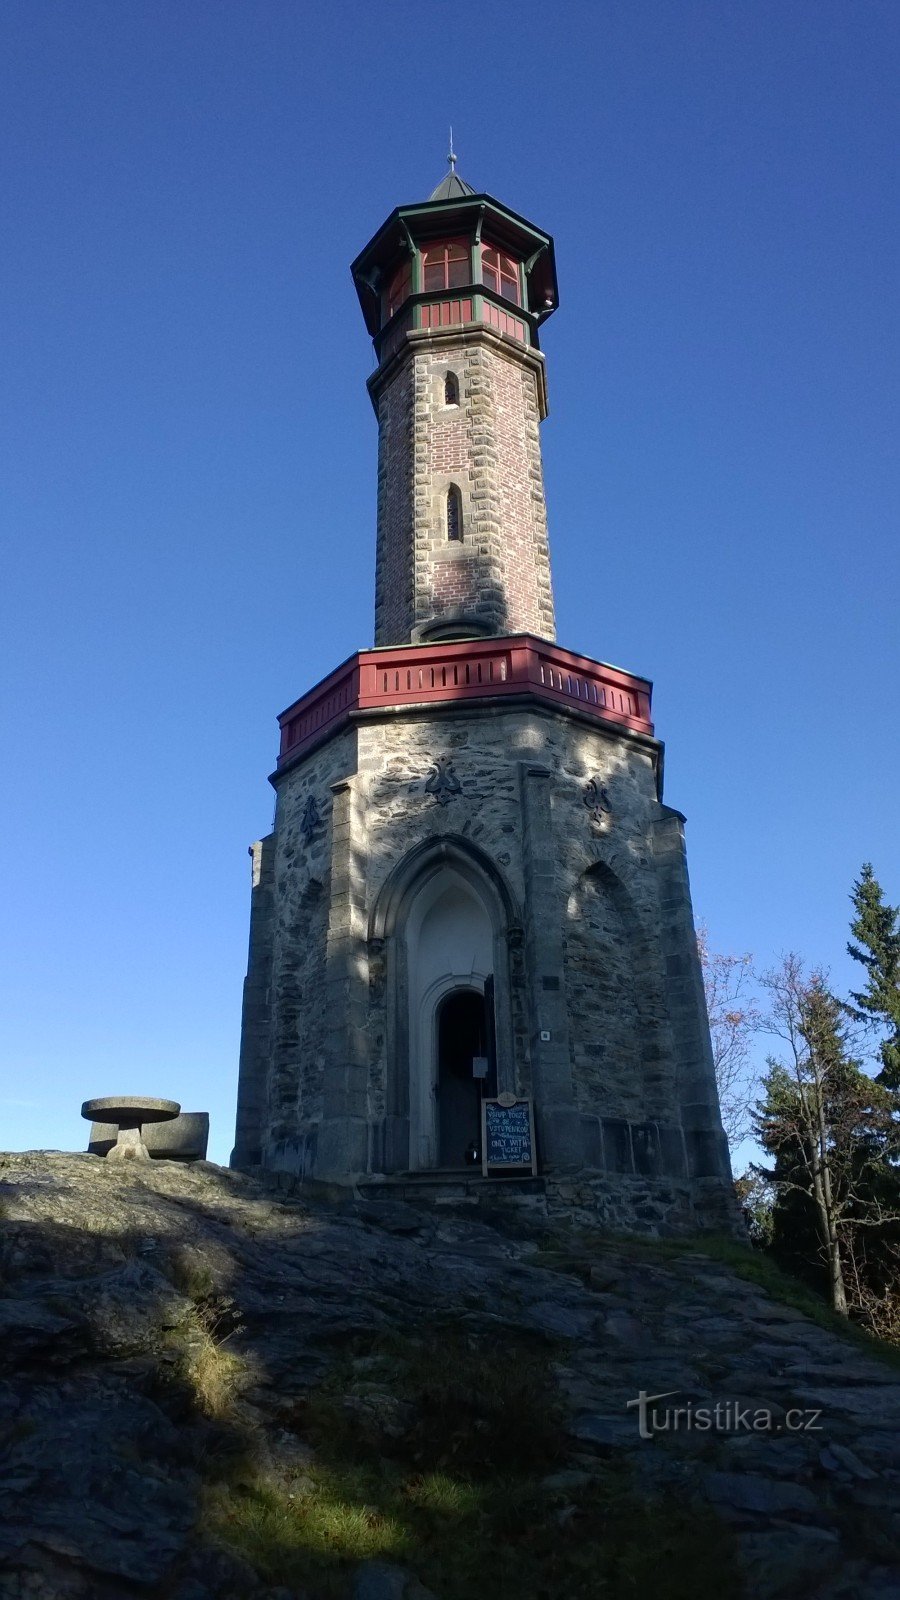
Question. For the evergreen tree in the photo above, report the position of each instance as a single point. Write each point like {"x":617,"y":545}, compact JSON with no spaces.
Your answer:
{"x":794,"y":1235}
{"x":876,"y":928}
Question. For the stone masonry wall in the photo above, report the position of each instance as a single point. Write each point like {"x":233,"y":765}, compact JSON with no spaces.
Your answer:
{"x":497,"y":575}
{"x":284,"y":1035}
{"x":393,"y":546}
{"x":599,"y":946}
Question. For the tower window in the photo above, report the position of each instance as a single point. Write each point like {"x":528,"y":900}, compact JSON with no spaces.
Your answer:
{"x":454,"y":513}
{"x":446,"y":265}
{"x":399,"y":289}
{"x":451,"y":390}
{"x":500,"y":273}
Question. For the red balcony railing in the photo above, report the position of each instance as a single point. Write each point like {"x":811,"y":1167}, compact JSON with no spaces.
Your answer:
{"x":471,"y":669}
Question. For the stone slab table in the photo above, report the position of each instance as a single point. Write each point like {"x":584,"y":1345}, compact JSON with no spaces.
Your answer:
{"x":127,"y":1113}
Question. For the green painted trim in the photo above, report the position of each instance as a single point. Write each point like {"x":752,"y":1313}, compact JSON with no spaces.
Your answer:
{"x":475,"y":250}
{"x":529,"y":267}
{"x":483,"y":202}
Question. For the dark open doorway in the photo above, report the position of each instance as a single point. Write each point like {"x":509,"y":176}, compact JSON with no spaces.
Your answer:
{"x":465,"y":1031}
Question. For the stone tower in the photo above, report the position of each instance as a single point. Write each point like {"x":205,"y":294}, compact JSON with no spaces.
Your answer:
{"x":473,"y":888}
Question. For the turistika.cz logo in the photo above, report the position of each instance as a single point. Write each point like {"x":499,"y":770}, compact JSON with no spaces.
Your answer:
{"x":726,"y":1416}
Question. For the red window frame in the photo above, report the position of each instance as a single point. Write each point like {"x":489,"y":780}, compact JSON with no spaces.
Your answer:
{"x":501,"y":273}
{"x":446,"y":264}
{"x":399,"y":289}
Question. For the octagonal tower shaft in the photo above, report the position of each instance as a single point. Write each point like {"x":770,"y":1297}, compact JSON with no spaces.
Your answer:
{"x":462,"y":522}
{"x":454,"y":292}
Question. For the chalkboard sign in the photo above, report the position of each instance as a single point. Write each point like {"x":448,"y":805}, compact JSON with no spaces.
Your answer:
{"x":507,"y":1133}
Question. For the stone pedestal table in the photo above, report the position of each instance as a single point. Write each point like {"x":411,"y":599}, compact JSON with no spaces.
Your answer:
{"x":127,"y":1113}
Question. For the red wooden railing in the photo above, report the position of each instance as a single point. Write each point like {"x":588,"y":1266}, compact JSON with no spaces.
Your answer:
{"x":469,"y":669}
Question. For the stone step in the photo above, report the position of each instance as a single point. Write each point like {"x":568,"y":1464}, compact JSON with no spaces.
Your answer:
{"x":449,"y":1186}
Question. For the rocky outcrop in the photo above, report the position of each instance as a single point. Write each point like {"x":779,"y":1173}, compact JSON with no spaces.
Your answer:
{"x":171,"y":1339}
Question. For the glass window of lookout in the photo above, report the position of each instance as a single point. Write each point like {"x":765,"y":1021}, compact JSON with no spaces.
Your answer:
{"x":445,"y":264}
{"x":500,"y":273}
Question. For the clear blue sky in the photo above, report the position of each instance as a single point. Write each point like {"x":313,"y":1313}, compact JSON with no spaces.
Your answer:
{"x":188,"y":454}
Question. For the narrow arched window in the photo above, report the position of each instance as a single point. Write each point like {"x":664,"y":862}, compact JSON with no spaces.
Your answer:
{"x":451,"y":390}
{"x":454,"y":513}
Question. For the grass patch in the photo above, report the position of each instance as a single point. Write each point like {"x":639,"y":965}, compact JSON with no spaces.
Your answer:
{"x":503,"y":1536}
{"x":431,"y":1454}
{"x":446,"y":1402}
{"x":758,"y":1268}
{"x":575,"y":1253}
{"x":314,"y":1533}
{"x":189,"y":1273}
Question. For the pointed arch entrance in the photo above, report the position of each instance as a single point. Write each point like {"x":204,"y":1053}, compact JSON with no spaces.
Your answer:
{"x":465,"y":1072}
{"x":445,"y":917}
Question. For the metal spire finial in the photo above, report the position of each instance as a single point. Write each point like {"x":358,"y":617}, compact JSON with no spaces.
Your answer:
{"x":451,"y":157}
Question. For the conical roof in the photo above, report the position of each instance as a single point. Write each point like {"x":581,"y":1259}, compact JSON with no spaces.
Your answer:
{"x":452,"y":187}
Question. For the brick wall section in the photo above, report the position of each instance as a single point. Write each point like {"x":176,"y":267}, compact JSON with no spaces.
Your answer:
{"x":498,"y":574}
{"x":453,"y":585}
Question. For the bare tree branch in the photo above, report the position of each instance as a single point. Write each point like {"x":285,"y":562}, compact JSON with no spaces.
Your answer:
{"x":733,"y":1018}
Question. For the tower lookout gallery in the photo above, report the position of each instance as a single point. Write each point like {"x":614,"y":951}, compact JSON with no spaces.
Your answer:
{"x":474,"y":904}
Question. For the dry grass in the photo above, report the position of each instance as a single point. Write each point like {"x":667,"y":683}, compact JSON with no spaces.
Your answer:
{"x":215,"y":1375}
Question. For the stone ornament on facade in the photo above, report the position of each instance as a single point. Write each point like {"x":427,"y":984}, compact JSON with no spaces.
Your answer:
{"x":442,"y":781}
{"x":596,"y":798}
{"x":311,"y":821}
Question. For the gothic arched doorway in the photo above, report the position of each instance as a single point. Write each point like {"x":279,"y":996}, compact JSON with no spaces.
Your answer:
{"x":466,"y":1072}
{"x":445,"y":915}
